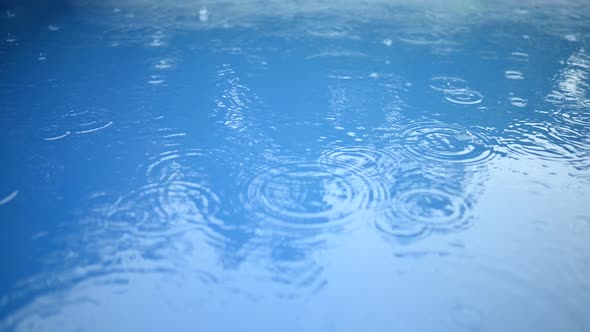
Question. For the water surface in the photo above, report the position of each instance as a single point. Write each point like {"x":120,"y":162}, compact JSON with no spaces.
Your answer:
{"x":294,"y":166}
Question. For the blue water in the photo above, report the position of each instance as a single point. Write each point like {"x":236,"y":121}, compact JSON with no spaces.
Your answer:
{"x":294,"y":165}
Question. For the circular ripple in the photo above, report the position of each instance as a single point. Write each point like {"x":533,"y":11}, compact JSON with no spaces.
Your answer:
{"x":464,"y":97}
{"x":298,"y":194}
{"x":87,"y":121}
{"x":164,"y":208}
{"x":444,"y":143}
{"x":328,"y":31}
{"x":420,"y":37}
{"x":431,"y":207}
{"x":418,"y":211}
{"x":54,"y":133}
{"x":518,"y":102}
{"x":166,"y":63}
{"x":372,"y":161}
{"x":513,"y":75}
{"x":519,"y":56}
{"x":178,"y":165}
{"x":447,"y":84}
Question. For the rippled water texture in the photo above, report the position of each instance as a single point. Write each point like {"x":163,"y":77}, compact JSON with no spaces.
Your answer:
{"x":294,"y":165}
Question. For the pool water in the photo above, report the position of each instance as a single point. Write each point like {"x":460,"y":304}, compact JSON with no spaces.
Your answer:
{"x":294,"y":165}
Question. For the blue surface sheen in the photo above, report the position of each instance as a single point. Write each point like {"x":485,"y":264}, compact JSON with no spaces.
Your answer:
{"x":294,"y":165}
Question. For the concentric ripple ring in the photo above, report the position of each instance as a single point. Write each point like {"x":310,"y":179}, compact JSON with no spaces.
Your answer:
{"x":447,"y":143}
{"x":312,"y":194}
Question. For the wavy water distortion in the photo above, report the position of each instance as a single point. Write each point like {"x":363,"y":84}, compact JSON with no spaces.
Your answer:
{"x":294,"y":165}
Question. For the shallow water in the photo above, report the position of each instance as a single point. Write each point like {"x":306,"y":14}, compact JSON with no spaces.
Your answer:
{"x":295,"y":166}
